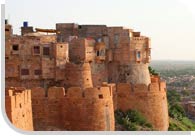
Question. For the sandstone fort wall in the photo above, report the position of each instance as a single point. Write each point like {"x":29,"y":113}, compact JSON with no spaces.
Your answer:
{"x":78,"y":109}
{"x":19,"y":108}
{"x":150,"y":100}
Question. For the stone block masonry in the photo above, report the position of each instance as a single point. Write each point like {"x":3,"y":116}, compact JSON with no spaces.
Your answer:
{"x":78,"y":109}
{"x":19,"y":108}
{"x":150,"y":100}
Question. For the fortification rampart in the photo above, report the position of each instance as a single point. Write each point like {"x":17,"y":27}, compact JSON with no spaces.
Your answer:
{"x":46,"y":108}
{"x":78,"y":109}
{"x":150,"y":100}
{"x":18,"y":107}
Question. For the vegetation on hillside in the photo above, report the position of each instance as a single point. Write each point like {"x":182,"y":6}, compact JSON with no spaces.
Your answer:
{"x":184,"y":125}
{"x":132,"y":120}
{"x":178,"y":120}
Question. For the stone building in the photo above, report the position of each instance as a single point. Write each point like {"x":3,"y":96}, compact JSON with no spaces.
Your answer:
{"x":34,"y":59}
{"x":190,"y":109}
{"x":87,"y":69}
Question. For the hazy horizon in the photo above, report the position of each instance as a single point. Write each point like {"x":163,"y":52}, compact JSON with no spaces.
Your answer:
{"x":171,"y":60}
{"x":169,"y":24}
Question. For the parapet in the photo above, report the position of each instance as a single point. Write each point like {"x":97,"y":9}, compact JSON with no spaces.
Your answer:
{"x":56,"y":92}
{"x":103,"y":92}
{"x":52,"y":92}
{"x":69,"y":111}
{"x":89,"y":93}
{"x":136,"y":88}
{"x":154,"y":78}
{"x":18,"y":107}
{"x":16,"y":97}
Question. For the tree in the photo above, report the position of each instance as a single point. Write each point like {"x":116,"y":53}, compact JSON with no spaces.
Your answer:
{"x":132,"y":120}
{"x":152,"y":71}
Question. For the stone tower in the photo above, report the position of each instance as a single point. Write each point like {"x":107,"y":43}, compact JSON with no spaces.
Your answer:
{"x":136,"y":71}
{"x":78,"y":75}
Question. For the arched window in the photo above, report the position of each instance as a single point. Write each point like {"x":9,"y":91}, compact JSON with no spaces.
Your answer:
{"x":138,"y":55}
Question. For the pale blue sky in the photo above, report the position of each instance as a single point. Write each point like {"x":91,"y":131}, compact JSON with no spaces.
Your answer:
{"x":169,"y":23}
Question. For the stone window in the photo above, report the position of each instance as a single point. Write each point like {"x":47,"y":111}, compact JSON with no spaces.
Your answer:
{"x":37,"y":72}
{"x":100,"y":96}
{"x":98,"y":53}
{"x":24,"y":71}
{"x":138,"y":55}
{"x":116,"y":40}
{"x":83,"y":94}
{"x":46,"y":51}
{"x":36,"y":50}
{"x":15,"y":47}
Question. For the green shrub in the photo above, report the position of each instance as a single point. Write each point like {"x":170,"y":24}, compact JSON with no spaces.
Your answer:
{"x":185,"y":93}
{"x":136,"y":117}
{"x":152,"y":71}
{"x":184,"y":125}
{"x":131,"y":120}
{"x":148,"y":125}
{"x":173,"y":97}
{"x":178,"y":120}
{"x":132,"y":127}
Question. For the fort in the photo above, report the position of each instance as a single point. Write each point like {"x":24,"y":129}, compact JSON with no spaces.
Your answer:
{"x":75,"y":76}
